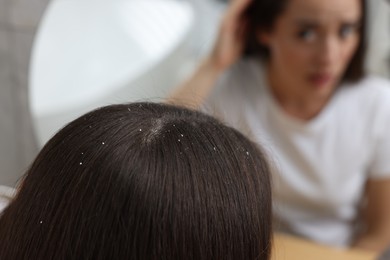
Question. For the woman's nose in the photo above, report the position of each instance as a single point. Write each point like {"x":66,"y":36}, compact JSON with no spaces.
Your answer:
{"x":329,"y":51}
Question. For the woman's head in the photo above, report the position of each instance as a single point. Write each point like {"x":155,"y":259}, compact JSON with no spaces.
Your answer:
{"x":320,"y":41}
{"x":142,"y":181}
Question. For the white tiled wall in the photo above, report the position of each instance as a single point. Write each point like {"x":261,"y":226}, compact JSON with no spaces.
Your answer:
{"x":25,"y":14}
{"x":379,"y":46}
{"x":18,"y":22}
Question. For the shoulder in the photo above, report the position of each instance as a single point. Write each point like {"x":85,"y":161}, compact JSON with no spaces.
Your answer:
{"x":373,"y":86}
{"x":370,"y":92}
{"x":369,"y":103}
{"x":378,"y":89}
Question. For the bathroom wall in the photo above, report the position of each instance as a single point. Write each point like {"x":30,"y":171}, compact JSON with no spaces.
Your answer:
{"x":378,"y":61}
{"x":18,"y":22}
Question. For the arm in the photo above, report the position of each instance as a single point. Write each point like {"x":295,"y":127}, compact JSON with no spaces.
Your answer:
{"x":376,"y":216}
{"x":227,"y":49}
{"x":193,"y":91}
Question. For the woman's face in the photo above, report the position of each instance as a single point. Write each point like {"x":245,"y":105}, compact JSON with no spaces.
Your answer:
{"x":311,"y":44}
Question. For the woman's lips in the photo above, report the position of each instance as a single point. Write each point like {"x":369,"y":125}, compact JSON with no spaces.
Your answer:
{"x":320,"y":79}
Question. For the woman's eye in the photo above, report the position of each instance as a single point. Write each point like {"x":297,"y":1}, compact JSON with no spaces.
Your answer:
{"x":347,"y":30}
{"x":307,"y":34}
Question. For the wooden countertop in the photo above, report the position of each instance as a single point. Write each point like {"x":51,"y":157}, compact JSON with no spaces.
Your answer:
{"x":293,"y":248}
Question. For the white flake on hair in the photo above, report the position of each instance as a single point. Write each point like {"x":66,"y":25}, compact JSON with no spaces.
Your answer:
{"x":103,"y":143}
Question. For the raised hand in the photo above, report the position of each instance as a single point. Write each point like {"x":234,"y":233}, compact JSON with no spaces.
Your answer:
{"x":227,"y":49}
{"x":231,"y":36}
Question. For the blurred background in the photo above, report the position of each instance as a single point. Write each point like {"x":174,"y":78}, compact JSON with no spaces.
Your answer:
{"x":19,"y":20}
{"x":60,"y":58}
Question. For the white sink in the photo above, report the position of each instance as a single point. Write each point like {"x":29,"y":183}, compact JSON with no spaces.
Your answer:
{"x":90,"y":53}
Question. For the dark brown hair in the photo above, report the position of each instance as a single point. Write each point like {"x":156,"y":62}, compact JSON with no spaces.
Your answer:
{"x":262,"y":14}
{"x":142,"y":181}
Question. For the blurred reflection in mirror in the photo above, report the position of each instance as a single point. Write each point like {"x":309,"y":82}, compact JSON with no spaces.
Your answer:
{"x":294,"y":76}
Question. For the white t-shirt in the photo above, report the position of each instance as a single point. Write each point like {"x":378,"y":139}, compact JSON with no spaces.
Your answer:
{"x":319,"y":166}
